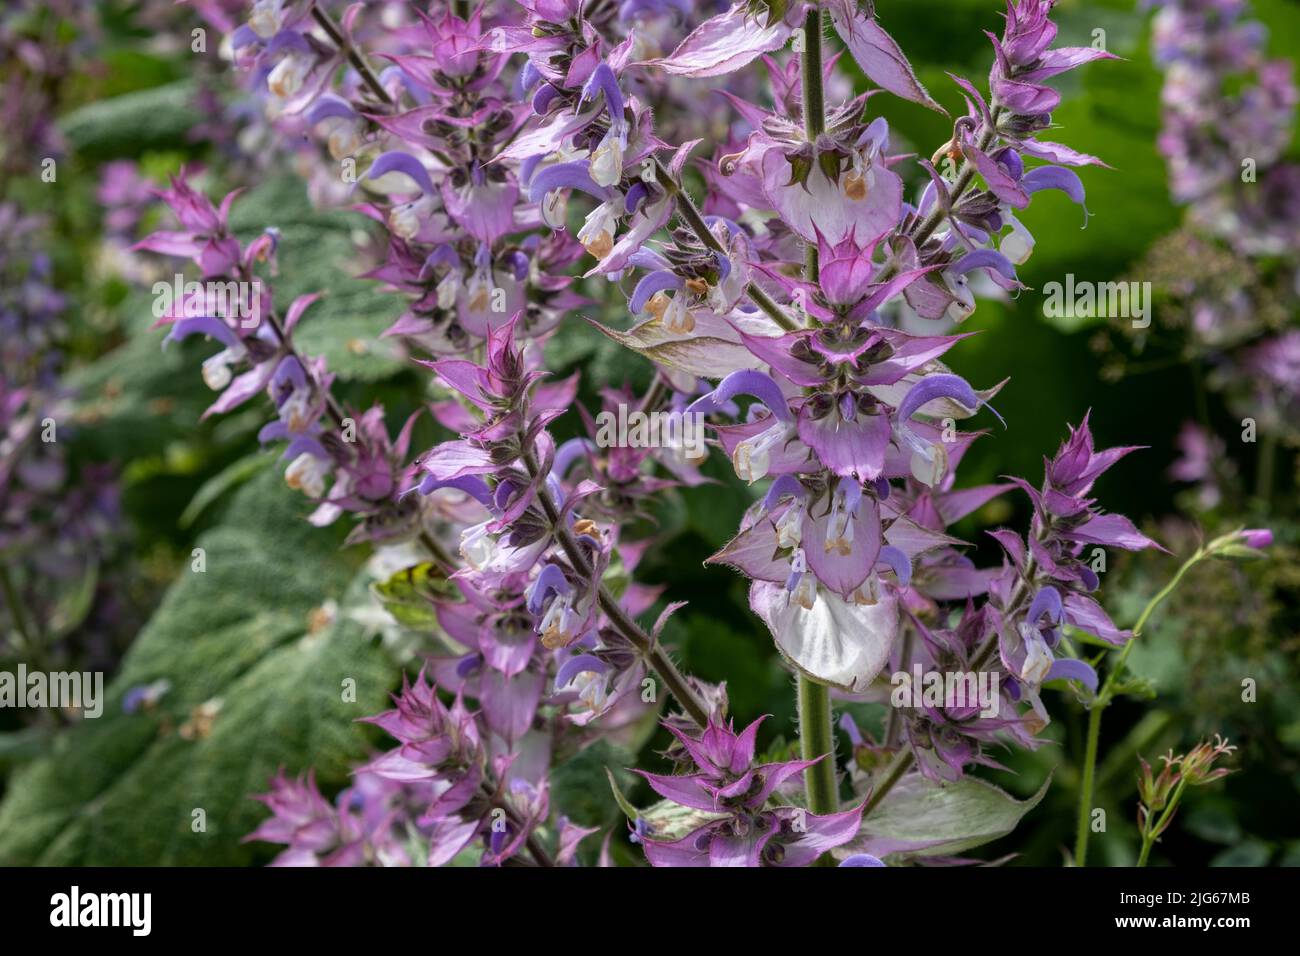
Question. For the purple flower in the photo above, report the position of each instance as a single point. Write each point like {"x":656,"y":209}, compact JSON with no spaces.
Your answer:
{"x":744,"y":831}
{"x":1259,"y":538}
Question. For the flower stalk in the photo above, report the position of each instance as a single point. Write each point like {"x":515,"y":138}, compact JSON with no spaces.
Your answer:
{"x":816,"y":727}
{"x":656,"y":657}
{"x":1107,"y":693}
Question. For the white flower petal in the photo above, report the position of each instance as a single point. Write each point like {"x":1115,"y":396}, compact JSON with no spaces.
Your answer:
{"x":836,"y":642}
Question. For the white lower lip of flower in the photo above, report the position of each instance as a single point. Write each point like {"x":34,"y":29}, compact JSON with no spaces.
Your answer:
{"x":677,"y":317}
{"x":404,"y":220}
{"x":480,"y":292}
{"x":607,"y":159}
{"x":857,"y":184}
{"x":477,"y":547}
{"x":557,"y":624}
{"x":789,"y":530}
{"x":344,"y":140}
{"x":868,"y":592}
{"x":286,"y":79}
{"x":591,"y":689}
{"x":598,"y":244}
{"x":658,"y":305}
{"x":306,"y":473}
{"x":839,"y":529}
{"x":554,"y":206}
{"x":294,"y":411}
{"x":597,"y":232}
{"x":264,"y":19}
{"x":752,"y":457}
{"x":1038,"y":659}
{"x":963,"y":303}
{"x":959,"y":311}
{"x":717,"y":298}
{"x":216,"y":370}
{"x":1017,"y":245}
{"x":930,"y":471}
{"x":448,"y":289}
{"x":836,"y":642}
{"x":805,"y":592}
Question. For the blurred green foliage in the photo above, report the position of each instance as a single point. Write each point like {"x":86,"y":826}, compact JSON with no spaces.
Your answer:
{"x":257,"y":662}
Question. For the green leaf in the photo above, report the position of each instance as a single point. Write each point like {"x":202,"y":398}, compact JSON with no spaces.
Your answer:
{"x":409,"y":595}
{"x":580,"y":785}
{"x":247,"y":635}
{"x":624,"y":804}
{"x":19,"y":746}
{"x":700,"y":356}
{"x":1251,"y":852}
{"x":140,"y":398}
{"x":128,"y":125}
{"x":668,"y":821}
{"x":317,"y":253}
{"x":74,"y":604}
{"x":920,"y":818}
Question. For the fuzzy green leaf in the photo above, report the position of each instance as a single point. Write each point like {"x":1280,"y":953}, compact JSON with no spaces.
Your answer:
{"x":248,"y":634}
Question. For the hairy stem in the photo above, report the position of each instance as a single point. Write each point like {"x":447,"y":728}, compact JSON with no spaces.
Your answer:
{"x":965,"y":176}
{"x":354,"y":56}
{"x":902,"y":763}
{"x":814,"y":103}
{"x":817,"y":739}
{"x":1151,"y":834}
{"x":814,"y":106}
{"x":656,"y":657}
{"x":1104,"y":697}
{"x":1083,"y":827}
{"x":922,"y":229}
{"x":816,"y":723}
{"x":691,"y":215}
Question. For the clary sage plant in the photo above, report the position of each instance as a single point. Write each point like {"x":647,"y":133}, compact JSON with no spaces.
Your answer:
{"x":798,"y":278}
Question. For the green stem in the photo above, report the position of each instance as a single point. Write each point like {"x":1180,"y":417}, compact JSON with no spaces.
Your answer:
{"x":814,"y":105}
{"x":353,"y":55}
{"x":816,"y":730}
{"x":1155,"y":602}
{"x":691,"y":215}
{"x":1084,"y":827}
{"x":817,"y":739}
{"x":655,"y":656}
{"x":1104,"y":697}
{"x":902,"y":763}
{"x":1153,"y":832}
